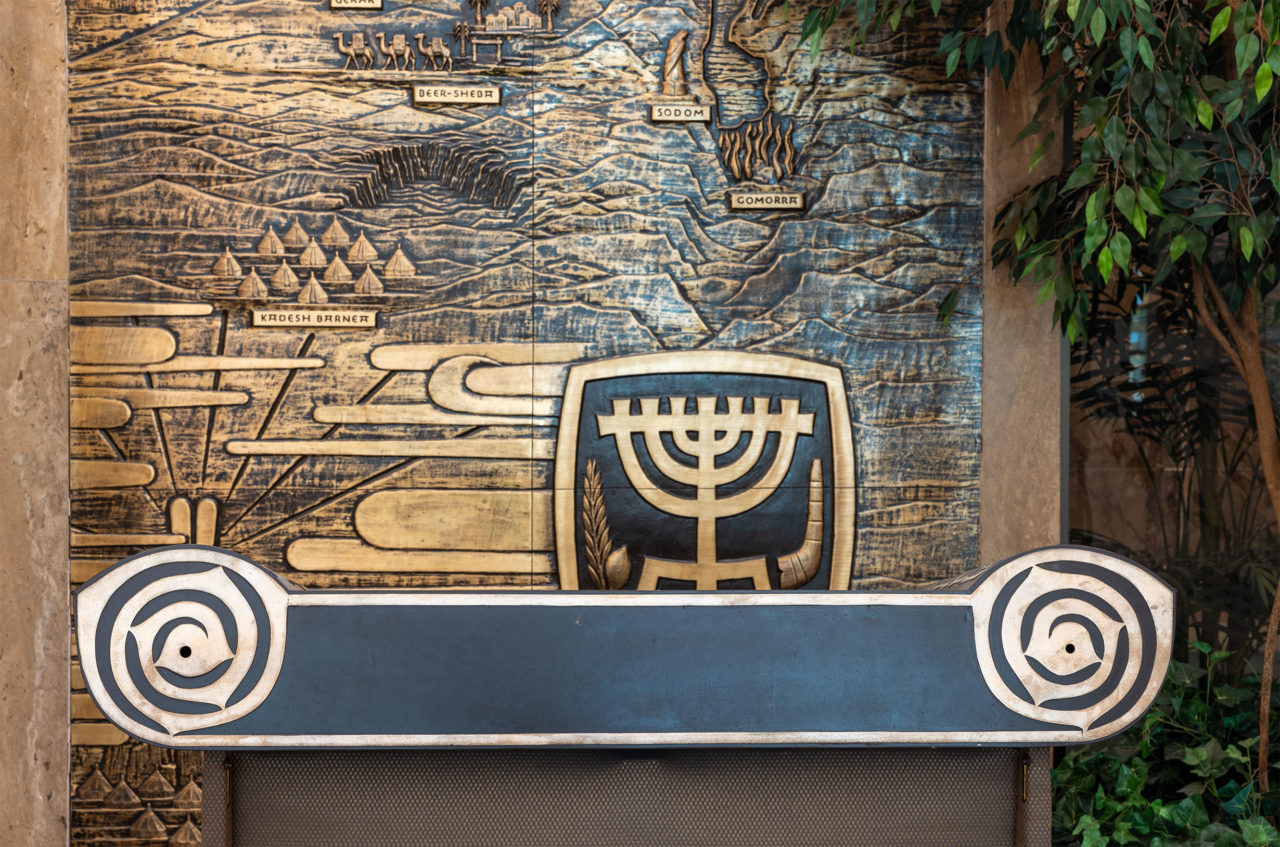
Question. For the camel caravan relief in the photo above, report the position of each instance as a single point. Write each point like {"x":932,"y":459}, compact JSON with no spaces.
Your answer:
{"x":491,"y":29}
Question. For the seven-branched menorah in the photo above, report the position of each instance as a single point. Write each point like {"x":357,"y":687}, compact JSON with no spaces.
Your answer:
{"x":705,"y":436}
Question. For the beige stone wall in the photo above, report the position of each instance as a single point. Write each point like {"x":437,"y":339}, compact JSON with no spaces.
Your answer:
{"x":1024,"y":410}
{"x":1023,"y":501}
{"x":34,"y":626}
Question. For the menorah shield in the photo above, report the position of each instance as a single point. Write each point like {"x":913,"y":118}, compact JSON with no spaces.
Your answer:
{"x":704,"y":470}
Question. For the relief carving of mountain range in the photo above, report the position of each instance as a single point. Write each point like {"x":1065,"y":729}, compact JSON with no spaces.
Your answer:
{"x":227,"y":155}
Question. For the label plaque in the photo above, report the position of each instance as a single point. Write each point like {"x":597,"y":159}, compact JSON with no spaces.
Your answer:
{"x":679,"y":113}
{"x":316,"y":318}
{"x":357,"y":5}
{"x":426,"y":95}
{"x":759,"y":201}
{"x":186,"y":647}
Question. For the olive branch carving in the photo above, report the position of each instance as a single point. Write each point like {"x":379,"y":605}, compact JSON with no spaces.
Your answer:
{"x":608,"y":568}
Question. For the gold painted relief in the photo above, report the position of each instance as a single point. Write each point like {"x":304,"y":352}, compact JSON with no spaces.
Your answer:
{"x":687,"y":447}
{"x":340,"y":270}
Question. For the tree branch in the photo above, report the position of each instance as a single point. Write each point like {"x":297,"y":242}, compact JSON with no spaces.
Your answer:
{"x":1199,"y":282}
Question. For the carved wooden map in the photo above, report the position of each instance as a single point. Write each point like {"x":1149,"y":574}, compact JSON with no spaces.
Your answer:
{"x":334,"y":271}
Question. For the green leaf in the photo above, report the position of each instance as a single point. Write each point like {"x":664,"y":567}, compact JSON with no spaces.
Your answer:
{"x":1220,"y":23}
{"x":1177,"y":247}
{"x":1083,"y":175}
{"x":1189,"y":814}
{"x":1091,"y":110}
{"x":936,"y":6}
{"x":1186,"y":163}
{"x":1094,"y":838}
{"x":1246,"y":243}
{"x":1094,"y":235}
{"x":1246,"y":51}
{"x":1262,"y":82}
{"x":1206,"y":759}
{"x":1073,"y":9}
{"x":1030,"y":129}
{"x":1127,"y":45}
{"x":948,"y":307}
{"x":1105,"y":263}
{"x":1129,"y":159}
{"x":953,"y":61}
{"x":1207,"y":214}
{"x":1113,"y":137}
{"x":1204,"y":114}
{"x":1121,"y":250}
{"x":1091,"y":150}
{"x":1219,"y":835}
{"x":1125,"y":200}
{"x":1098,"y":26}
{"x":1150,"y":200}
{"x":1258,"y":832}
{"x":1144,"y":52}
{"x":1045,"y":292}
{"x":1230,"y":696}
{"x":1122,"y":834}
{"x":1038,"y":154}
{"x":1233,"y":110}
{"x":1197,"y":243}
{"x":1130,"y":781}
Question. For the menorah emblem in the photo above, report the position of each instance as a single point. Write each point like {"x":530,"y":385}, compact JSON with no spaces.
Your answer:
{"x":707,"y":469}
{"x":705,"y":436}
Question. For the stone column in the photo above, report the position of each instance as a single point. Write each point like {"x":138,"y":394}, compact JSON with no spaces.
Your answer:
{"x":34,"y":624}
{"x":1022,"y":482}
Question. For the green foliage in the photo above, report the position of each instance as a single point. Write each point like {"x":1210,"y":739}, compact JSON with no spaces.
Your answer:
{"x":1169,"y":388}
{"x":1183,"y":776}
{"x":1176,"y":154}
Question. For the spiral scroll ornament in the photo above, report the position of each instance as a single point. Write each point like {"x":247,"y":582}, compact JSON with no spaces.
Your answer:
{"x":1073,"y":636}
{"x":181,"y":639}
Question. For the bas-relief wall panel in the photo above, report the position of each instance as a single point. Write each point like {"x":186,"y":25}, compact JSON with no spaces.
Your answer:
{"x":225,"y":154}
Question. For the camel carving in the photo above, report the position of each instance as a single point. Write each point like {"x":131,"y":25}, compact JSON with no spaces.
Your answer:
{"x":398,"y":52}
{"x":437,"y":49}
{"x":359,"y":52}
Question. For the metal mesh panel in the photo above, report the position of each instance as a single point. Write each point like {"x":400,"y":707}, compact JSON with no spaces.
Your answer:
{"x":1035,"y":827}
{"x":738,"y":797}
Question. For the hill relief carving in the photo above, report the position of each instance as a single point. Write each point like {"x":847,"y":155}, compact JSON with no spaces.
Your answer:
{"x":334,"y":265}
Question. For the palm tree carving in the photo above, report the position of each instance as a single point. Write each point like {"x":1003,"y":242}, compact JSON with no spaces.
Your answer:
{"x":462,"y":35}
{"x":479,"y":6}
{"x":549,"y":8}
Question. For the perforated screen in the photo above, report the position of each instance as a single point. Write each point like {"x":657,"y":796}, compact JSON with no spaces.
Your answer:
{"x":732,"y":797}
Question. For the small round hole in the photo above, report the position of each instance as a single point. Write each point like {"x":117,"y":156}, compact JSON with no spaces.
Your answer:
{"x":185,"y":652}
{"x":1070,"y":648}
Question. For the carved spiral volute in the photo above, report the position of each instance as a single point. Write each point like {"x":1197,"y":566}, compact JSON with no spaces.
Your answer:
{"x":183,"y":640}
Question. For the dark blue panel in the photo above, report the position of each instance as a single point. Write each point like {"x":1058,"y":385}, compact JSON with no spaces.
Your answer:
{"x":565,"y":669}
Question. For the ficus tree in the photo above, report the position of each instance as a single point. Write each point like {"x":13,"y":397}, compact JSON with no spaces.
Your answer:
{"x":1169,"y":190}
